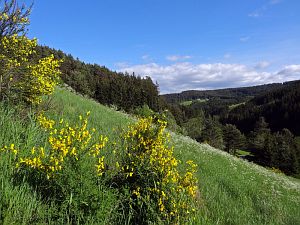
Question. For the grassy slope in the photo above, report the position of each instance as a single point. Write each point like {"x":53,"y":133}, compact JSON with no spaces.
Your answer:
{"x":232,"y":191}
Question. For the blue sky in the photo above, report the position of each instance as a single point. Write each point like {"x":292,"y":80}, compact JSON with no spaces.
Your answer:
{"x":182,"y":44}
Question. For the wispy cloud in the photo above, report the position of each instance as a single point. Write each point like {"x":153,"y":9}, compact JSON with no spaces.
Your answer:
{"x":290,"y":70}
{"x":174,"y":58}
{"x":244,"y":39}
{"x":254,"y":14}
{"x":227,"y":56}
{"x":261,"y":10}
{"x":262,"y":65}
{"x":145,"y":57}
{"x":187,"y":76}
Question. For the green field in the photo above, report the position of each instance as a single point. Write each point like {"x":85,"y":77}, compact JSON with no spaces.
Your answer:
{"x":187,"y":103}
{"x":232,"y":191}
{"x":236,"y":105}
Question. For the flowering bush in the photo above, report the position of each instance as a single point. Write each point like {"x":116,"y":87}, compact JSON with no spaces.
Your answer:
{"x":67,"y":145}
{"x":21,"y":78}
{"x":148,"y":171}
{"x":68,"y":166}
{"x":150,"y":185}
{"x":13,"y":18}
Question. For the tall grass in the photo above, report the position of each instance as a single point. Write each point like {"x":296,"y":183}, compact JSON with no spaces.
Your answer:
{"x":232,"y":191}
{"x":18,"y":204}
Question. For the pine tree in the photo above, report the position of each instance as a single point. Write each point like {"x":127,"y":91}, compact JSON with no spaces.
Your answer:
{"x":262,"y":142}
{"x":195,"y":126}
{"x":233,"y":138}
{"x":212,"y":133}
{"x":285,"y":151}
{"x":260,"y":134}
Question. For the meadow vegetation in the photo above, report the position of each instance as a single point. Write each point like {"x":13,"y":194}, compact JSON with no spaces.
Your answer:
{"x":231,"y":191}
{"x":66,"y":159}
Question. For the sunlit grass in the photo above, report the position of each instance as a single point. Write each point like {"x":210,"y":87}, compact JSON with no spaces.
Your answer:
{"x":189,"y":102}
{"x":241,"y":153}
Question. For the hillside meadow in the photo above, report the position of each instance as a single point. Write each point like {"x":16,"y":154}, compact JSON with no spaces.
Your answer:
{"x":232,"y":191}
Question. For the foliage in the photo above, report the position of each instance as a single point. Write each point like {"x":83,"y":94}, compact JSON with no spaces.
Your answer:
{"x":21,"y":79}
{"x":167,"y":116}
{"x":67,"y":168}
{"x":232,"y":191}
{"x":126,"y":91}
{"x":212,"y":133}
{"x":233,"y":139}
{"x":13,"y":18}
{"x":224,"y":94}
{"x":279,"y":149}
{"x":70,"y":167}
{"x":269,"y":144}
{"x":279,"y":107}
{"x":143,"y":111}
{"x":195,"y":127}
{"x":67,"y":145}
{"x":147,"y":174}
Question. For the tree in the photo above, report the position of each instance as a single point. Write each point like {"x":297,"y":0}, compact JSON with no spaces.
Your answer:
{"x":233,"y":138}
{"x":260,"y":133}
{"x":262,"y":142}
{"x":195,"y":126}
{"x":212,"y":133}
{"x":278,"y":150}
{"x":285,"y":150}
{"x":13,"y":18}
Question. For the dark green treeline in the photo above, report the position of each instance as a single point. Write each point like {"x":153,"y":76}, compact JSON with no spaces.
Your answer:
{"x":123,"y":90}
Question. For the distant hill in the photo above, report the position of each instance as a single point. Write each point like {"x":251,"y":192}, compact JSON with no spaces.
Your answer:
{"x":280,"y":107}
{"x":227,"y":93}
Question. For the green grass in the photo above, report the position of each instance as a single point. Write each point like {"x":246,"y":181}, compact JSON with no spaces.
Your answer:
{"x":232,"y":191}
{"x":231,"y":107}
{"x":238,"y":192}
{"x":243,"y":153}
{"x":187,"y":103}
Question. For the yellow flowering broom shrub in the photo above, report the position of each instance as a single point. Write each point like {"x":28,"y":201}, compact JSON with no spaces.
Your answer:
{"x":21,"y":78}
{"x":66,"y":145}
{"x":67,"y":168}
{"x":151,"y":184}
{"x":148,"y":175}
{"x":14,"y":18}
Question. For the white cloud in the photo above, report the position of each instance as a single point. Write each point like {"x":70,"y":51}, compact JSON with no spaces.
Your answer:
{"x":261,"y":11}
{"x":262,"y":65}
{"x":145,"y":57}
{"x":244,"y":39}
{"x":187,"y":76}
{"x":227,"y":56}
{"x":292,"y":71}
{"x":178,"y":57}
{"x":254,"y":14}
